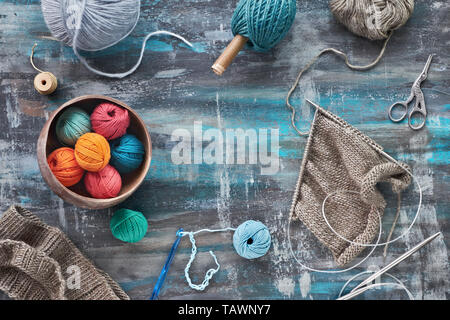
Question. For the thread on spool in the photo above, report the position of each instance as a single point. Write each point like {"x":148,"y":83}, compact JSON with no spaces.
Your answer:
{"x":251,"y":239}
{"x":128,"y":225}
{"x":127,"y":153}
{"x":64,"y":166}
{"x":45,"y":82}
{"x":110,"y":120}
{"x":103,"y":184}
{"x":92,"y":152}
{"x":263,"y":22}
{"x":96,"y":25}
{"x":374,"y":20}
{"x":71,"y":125}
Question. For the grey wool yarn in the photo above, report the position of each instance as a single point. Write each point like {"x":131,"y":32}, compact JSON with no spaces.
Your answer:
{"x":372,"y":19}
{"x":93,"y":25}
{"x":103,"y":23}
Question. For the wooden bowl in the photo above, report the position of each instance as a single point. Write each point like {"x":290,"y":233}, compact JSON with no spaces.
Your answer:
{"x":77,"y":194}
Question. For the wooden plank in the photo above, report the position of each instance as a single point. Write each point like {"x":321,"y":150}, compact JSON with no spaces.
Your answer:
{"x":174,"y":87}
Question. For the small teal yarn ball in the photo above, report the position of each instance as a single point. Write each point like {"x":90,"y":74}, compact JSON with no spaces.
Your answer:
{"x":128,"y":225}
{"x":263,"y":22}
{"x":127,"y":153}
{"x":72,"y":124}
{"x":251,"y":239}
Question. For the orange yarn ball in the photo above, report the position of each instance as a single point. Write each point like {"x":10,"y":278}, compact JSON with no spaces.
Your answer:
{"x":64,"y":166}
{"x":92,"y":152}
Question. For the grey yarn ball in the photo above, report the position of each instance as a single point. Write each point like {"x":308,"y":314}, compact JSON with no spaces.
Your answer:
{"x":103,"y":24}
{"x":372,"y":19}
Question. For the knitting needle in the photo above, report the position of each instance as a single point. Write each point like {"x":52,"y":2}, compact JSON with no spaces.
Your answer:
{"x":358,"y":289}
{"x":165,"y":269}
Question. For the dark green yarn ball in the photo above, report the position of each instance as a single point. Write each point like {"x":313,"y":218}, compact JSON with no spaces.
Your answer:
{"x":128,"y":225}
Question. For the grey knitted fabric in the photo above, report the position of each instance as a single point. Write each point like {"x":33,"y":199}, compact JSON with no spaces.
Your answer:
{"x":34,"y":258}
{"x":339,"y":157}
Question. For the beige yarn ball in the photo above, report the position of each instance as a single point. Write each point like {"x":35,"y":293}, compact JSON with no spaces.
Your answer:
{"x":372,"y":19}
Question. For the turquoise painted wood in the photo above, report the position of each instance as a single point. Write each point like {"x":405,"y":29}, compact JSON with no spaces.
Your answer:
{"x":174,"y":88}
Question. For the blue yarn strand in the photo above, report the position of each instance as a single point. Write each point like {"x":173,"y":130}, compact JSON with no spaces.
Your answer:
{"x":263,"y":22}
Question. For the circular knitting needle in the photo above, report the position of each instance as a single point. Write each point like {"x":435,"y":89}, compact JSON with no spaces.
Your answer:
{"x":359,"y":288}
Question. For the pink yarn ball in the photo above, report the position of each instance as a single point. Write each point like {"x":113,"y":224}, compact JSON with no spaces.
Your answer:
{"x":109,"y":120}
{"x":103,"y":184}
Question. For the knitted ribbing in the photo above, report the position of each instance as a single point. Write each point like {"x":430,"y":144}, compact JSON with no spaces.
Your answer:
{"x":339,"y":157}
{"x":35,"y":257}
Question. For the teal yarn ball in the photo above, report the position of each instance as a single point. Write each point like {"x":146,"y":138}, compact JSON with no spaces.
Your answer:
{"x":251,"y":239}
{"x":127,"y":153}
{"x":263,"y":22}
{"x":72,"y":124}
{"x":128,"y":225}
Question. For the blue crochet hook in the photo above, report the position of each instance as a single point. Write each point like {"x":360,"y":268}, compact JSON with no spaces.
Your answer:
{"x":165,"y":269}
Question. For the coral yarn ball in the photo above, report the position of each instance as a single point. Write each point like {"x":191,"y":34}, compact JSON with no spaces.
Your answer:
{"x":64,"y":166}
{"x":92,"y":152}
{"x":109,"y":120}
{"x":103,"y":184}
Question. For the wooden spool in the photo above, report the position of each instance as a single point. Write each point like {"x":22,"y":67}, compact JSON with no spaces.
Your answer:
{"x":45,"y":83}
{"x":229,"y":54}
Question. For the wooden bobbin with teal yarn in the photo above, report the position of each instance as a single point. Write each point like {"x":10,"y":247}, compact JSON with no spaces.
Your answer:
{"x":261,"y":23}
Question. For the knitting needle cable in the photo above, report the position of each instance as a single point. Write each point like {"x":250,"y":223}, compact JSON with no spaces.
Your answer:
{"x":399,"y":259}
{"x":329,"y":270}
{"x":364,"y":285}
{"x":387,"y":242}
{"x":210,"y":273}
{"x":31,"y":58}
{"x":354,"y":292}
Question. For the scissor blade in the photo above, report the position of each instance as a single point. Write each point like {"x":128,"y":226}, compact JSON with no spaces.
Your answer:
{"x":396,"y":261}
{"x":427,"y":65}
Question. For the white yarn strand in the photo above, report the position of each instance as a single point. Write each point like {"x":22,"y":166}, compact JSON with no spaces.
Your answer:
{"x":133,"y":69}
{"x":96,"y":25}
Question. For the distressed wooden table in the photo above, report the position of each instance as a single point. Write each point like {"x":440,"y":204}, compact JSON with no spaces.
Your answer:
{"x":174,"y":87}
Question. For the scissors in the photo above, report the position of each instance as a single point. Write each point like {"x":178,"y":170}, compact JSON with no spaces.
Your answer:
{"x":419,"y":104}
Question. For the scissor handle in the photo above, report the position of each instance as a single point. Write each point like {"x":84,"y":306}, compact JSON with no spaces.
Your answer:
{"x":404,"y":105}
{"x":423,"y":115}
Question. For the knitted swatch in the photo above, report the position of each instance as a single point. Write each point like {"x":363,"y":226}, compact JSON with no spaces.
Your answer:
{"x":339,"y":157}
{"x":34,"y":259}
